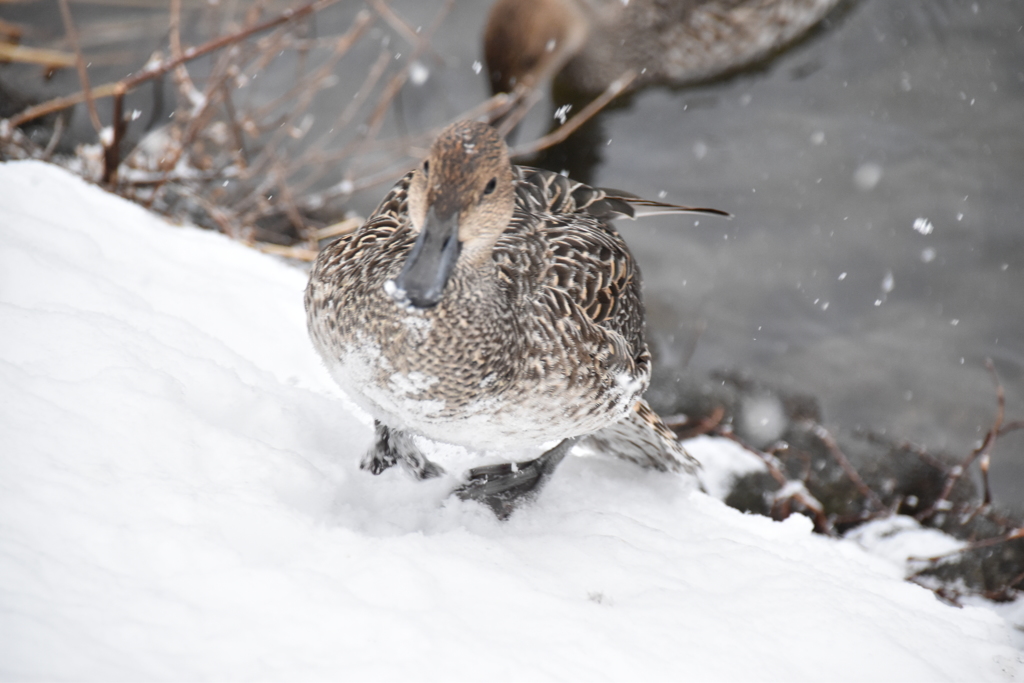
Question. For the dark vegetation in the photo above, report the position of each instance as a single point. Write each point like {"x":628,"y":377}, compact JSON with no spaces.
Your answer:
{"x":843,"y":480}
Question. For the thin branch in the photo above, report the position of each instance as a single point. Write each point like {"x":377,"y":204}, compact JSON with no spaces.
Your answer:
{"x":981,"y":451}
{"x":376,"y":119}
{"x":340,"y":228}
{"x":83,"y":71}
{"x":1012,"y":535}
{"x":58,"y":131}
{"x":396,"y":22}
{"x":844,"y":462}
{"x":155,"y":70}
{"x":570,"y":126}
{"x":680,"y":424}
{"x":788,"y":488}
{"x":297,"y":253}
{"x":52,"y":59}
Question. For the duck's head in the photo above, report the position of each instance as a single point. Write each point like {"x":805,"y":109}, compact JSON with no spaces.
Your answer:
{"x":528,"y":41}
{"x":461,"y":199}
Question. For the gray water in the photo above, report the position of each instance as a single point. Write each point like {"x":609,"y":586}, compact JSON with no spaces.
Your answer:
{"x":876,"y":257}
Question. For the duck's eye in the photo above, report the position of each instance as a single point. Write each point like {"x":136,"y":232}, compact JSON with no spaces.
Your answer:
{"x":426,"y":167}
{"x":491,"y":184}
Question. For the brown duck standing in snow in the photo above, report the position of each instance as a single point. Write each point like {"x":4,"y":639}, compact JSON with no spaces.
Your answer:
{"x":492,"y":306}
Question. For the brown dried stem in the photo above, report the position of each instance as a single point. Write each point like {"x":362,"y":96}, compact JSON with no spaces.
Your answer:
{"x":983,"y":451}
{"x":844,"y":462}
{"x":52,"y":59}
{"x":1012,"y":535}
{"x":155,"y":70}
{"x":789,"y":489}
{"x":570,"y":126}
{"x":83,"y":71}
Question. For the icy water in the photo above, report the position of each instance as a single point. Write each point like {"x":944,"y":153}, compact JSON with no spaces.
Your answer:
{"x":876,"y":257}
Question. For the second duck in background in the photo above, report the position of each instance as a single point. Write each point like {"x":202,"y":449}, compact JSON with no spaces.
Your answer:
{"x":590,"y":43}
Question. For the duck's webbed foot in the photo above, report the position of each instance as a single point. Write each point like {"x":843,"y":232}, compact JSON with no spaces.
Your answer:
{"x":395,"y":447}
{"x":504,"y":487}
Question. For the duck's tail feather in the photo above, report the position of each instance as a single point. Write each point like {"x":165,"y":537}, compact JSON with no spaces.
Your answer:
{"x":641,"y":437}
{"x":650,"y":207}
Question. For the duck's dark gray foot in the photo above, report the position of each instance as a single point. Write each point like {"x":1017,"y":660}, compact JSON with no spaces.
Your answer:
{"x":504,"y":487}
{"x":395,"y":447}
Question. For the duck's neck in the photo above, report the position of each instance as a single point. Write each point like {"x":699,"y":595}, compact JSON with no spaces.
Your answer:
{"x":460,"y":340}
{"x":472,"y":296}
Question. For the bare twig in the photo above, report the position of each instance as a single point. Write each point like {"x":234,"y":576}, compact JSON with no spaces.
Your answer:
{"x":396,"y":22}
{"x":981,"y":451}
{"x":788,"y":488}
{"x":52,"y":59}
{"x":844,"y":462}
{"x":186,"y":88}
{"x":58,"y":131}
{"x":83,"y":71}
{"x":297,"y":253}
{"x":161,"y":68}
{"x":567,"y":129}
{"x":680,"y":424}
{"x":340,"y":228}
{"x":376,"y":118}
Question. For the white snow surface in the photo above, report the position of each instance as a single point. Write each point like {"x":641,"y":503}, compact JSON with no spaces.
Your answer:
{"x":180,"y":500}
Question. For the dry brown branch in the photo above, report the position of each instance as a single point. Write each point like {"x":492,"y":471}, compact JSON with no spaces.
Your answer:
{"x":83,"y":71}
{"x":400,"y":25}
{"x":58,"y":131}
{"x":342,"y":46}
{"x":340,"y":228}
{"x":373,"y":123}
{"x":1012,"y":535}
{"x":52,"y":59}
{"x":242,"y":163}
{"x":789,"y":489}
{"x":316,"y":155}
{"x":1011,"y":427}
{"x":680,"y":424}
{"x":297,"y":253}
{"x":981,"y":451}
{"x":155,"y":70}
{"x":185,"y":86}
{"x":570,"y":126}
{"x":844,"y":462}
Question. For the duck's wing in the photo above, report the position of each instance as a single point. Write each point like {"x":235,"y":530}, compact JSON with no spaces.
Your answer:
{"x":393,"y":210}
{"x":560,"y":249}
{"x":359,"y":249}
{"x":547,"y":192}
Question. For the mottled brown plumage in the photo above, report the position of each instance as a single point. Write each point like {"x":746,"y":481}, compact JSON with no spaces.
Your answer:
{"x":527,"y":328}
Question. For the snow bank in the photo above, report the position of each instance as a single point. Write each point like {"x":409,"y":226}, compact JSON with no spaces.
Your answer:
{"x":179,"y":499}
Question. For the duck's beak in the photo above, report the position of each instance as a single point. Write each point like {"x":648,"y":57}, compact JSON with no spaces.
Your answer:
{"x":430,"y":263}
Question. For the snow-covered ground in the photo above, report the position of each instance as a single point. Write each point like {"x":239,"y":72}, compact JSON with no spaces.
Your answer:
{"x":180,"y":499}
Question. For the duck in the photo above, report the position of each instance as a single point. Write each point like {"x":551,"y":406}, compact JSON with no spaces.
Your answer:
{"x":494,"y":307}
{"x":590,"y":44}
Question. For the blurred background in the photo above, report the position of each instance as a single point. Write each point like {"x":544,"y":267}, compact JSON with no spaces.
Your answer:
{"x":874,"y":170}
